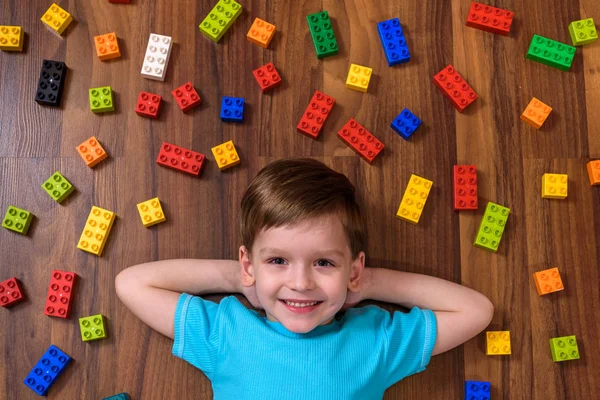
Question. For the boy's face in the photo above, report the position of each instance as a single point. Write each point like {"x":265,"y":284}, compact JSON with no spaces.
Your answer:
{"x":309,"y":262}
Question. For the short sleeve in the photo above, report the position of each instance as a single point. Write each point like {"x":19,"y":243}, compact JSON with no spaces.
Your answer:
{"x":410,"y":338}
{"x":196,"y":329}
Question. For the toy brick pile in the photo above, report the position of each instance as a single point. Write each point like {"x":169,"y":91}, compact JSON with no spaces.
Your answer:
{"x":218,"y":21}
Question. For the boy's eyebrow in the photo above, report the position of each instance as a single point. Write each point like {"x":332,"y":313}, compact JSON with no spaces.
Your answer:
{"x":275,"y":250}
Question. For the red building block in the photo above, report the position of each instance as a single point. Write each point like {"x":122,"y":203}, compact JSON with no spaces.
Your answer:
{"x":465,"y":187}
{"x":10,"y":293}
{"x":490,"y":19}
{"x":148,"y":105}
{"x":187,"y":97}
{"x":60,"y":294}
{"x":267,"y":77}
{"x":360,"y":140}
{"x":315,"y":114}
{"x":181,"y":159}
{"x":454,"y":87}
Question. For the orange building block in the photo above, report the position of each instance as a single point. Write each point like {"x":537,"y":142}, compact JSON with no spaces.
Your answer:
{"x":107,"y":46}
{"x":548,"y":281}
{"x":91,"y":151}
{"x":261,"y":33}
{"x":536,"y":113}
{"x":593,"y":168}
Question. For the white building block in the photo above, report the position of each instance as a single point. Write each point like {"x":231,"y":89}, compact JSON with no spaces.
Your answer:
{"x":157,"y":56}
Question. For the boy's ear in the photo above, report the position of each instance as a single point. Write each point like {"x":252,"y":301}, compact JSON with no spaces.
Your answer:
{"x":248,"y":278}
{"x":356,"y":272}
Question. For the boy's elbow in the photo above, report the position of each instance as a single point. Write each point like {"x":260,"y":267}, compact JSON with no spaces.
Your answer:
{"x":487,"y":312}
{"x":123,"y":281}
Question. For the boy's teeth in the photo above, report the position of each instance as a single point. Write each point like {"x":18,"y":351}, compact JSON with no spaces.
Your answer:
{"x":300,"y":305}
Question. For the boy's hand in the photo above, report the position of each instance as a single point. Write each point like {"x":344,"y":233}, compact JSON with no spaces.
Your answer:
{"x":250,"y":293}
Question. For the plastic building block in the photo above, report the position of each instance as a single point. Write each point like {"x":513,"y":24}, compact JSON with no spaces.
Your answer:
{"x":17,"y":220}
{"x":322,"y":34}
{"x":60,"y":294}
{"x":181,"y":159}
{"x":10,"y":293}
{"x":101,"y":99}
{"x":58,"y":187}
{"x":564,"y":348}
{"x":157,"y":57}
{"x":96,"y":230}
{"x":148,"y":105}
{"x":393,"y":41}
{"x":186,"y":96}
{"x":405,"y":124}
{"x":261,"y":33}
{"x":492,"y":226}
{"x":107,"y":46}
{"x":360,"y":140}
{"x":358,"y":77}
{"x":47,"y":370}
{"x":455,"y":88}
{"x":465,"y":187}
{"x":151,"y":212}
{"x":593,"y":169}
{"x":550,"y":52}
{"x":490,"y":19}
{"x":554,"y":186}
{"x":414,"y":199}
{"x":226,"y":155}
{"x":51,"y":83}
{"x":11,"y":38}
{"x":92,"y":328}
{"x":477,"y":390}
{"x":315,"y":114}
{"x":583,"y":32}
{"x":220,"y":19}
{"x":536,"y":113}
{"x":497,"y":343}
{"x":548,"y":281}
{"x":120,"y":396}
{"x":267,"y":77}
{"x":91,"y":151}
{"x":232,"y":109}
{"x":56,"y":19}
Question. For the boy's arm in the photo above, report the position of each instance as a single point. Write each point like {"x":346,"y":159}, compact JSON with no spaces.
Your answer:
{"x":461,"y":312}
{"x":151,"y":290}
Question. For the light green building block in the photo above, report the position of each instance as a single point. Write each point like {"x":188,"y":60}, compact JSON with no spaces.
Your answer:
{"x":492,"y":226}
{"x":101,"y":99}
{"x":583,"y":32}
{"x":92,"y":328}
{"x":564,"y":348}
{"x":58,"y":187}
{"x":17,"y":219}
{"x":220,"y":19}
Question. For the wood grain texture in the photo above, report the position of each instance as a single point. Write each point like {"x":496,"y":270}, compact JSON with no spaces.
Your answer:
{"x":202,"y":214}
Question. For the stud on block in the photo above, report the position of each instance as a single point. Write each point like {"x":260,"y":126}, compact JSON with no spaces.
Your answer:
{"x":315,"y":115}
{"x":17,"y":220}
{"x":267,"y":77}
{"x":405,"y":124}
{"x":11,"y":38}
{"x":148,"y":105}
{"x":47,"y":370}
{"x":92,"y":152}
{"x":455,"y":88}
{"x":220,"y":19}
{"x":393,"y":41}
{"x":226,"y":155}
{"x":536,"y":113}
{"x":583,"y":32}
{"x":593,"y":169}
{"x":180,"y":159}
{"x":497,"y":343}
{"x":548,"y":281}
{"x":92,"y":328}
{"x":322,"y":34}
{"x":156,"y":59}
{"x":554,"y":186}
{"x":151,"y":212}
{"x":56,"y":19}
{"x":232,"y":109}
{"x":550,"y":52}
{"x":477,"y":390}
{"x":51,"y":83}
{"x":101,"y":99}
{"x":490,"y":19}
{"x":492,"y":227}
{"x":58,"y":187}
{"x":96,"y":230}
{"x":261,"y":33}
{"x":60,"y":294}
{"x":107,"y":46}
{"x":564,"y":348}
{"x":465,"y":187}
{"x":10,"y":293}
{"x":358,"y":77}
{"x":186,"y":97}
{"x":360,"y":140}
{"x":414,"y":199}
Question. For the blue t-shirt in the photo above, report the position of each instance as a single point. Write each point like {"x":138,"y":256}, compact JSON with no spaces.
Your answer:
{"x":246,"y":356}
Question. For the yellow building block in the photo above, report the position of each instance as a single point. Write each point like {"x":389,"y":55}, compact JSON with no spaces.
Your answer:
{"x":56,"y":19}
{"x":358,"y":77}
{"x":497,"y":343}
{"x":554,"y":186}
{"x":225,"y":155}
{"x":11,"y":38}
{"x":536,"y":113}
{"x":151,"y":212}
{"x":414,"y":199}
{"x":96,"y":230}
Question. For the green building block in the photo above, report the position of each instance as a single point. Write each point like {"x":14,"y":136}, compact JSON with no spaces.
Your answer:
{"x":92,"y":328}
{"x":583,"y":32}
{"x":220,"y":19}
{"x":492,"y":226}
{"x":551,"y":52}
{"x":17,"y":219}
{"x":101,"y":99}
{"x":564,"y":348}
{"x":322,"y":34}
{"x":120,"y":396}
{"x":58,"y":187}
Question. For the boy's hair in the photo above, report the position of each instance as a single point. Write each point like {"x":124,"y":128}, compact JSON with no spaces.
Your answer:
{"x":291,"y":191}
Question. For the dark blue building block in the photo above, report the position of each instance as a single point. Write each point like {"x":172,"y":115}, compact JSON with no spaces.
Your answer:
{"x":406,"y":124}
{"x":477,"y":390}
{"x":120,"y":396}
{"x":393,"y":41}
{"x":232,"y":109}
{"x":47,"y":370}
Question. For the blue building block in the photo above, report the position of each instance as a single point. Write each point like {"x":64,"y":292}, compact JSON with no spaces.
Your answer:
{"x":477,"y":390}
{"x":232,"y":109}
{"x":47,"y":370}
{"x":406,"y":123}
{"x":120,"y":396}
{"x":393,"y":41}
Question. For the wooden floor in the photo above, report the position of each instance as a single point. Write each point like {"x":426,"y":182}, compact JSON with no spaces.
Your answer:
{"x":202,"y":213}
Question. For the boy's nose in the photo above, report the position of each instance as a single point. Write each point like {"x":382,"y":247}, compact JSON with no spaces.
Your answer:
{"x":302,"y":279}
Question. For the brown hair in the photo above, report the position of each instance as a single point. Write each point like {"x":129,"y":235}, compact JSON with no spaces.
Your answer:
{"x":290,"y":191}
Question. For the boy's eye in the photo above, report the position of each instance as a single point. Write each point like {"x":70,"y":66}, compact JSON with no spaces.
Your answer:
{"x":277,"y":260}
{"x":324,"y":263}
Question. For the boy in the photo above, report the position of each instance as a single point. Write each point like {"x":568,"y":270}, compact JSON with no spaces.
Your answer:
{"x":302,"y":260}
